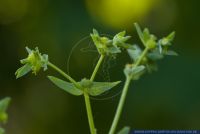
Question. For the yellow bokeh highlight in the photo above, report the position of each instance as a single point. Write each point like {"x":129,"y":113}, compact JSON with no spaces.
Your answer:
{"x":119,"y":13}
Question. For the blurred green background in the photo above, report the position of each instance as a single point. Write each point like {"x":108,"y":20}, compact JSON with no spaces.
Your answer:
{"x":167,"y":99}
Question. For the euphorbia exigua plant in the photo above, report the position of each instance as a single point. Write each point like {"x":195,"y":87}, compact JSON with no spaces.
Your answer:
{"x":142,"y":61}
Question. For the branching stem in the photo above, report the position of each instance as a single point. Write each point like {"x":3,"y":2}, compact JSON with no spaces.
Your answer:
{"x":87,"y":99}
{"x":124,"y":93}
{"x":64,"y":74}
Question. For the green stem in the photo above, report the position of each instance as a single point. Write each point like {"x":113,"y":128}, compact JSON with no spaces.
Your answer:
{"x":87,"y":99}
{"x":97,"y":67}
{"x":89,"y":113}
{"x":120,"y":106}
{"x":123,"y":96}
{"x":64,"y":74}
{"x":141,"y":57}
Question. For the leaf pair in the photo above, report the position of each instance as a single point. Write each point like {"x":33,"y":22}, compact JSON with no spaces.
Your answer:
{"x":149,"y":40}
{"x":156,"y":49}
{"x":110,"y":47}
{"x":35,"y":61}
{"x":93,"y":88}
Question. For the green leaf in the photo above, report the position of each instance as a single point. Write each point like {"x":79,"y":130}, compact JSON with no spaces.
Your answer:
{"x":135,"y":52}
{"x":23,"y":71}
{"x":134,"y":72}
{"x":146,"y":34}
{"x":3,"y":107}
{"x":66,"y":86}
{"x":166,"y":41}
{"x":155,"y":55}
{"x":171,"y":36}
{"x":98,"y":88}
{"x":120,"y":40}
{"x":140,"y":33}
{"x":125,"y":130}
{"x":148,"y":40}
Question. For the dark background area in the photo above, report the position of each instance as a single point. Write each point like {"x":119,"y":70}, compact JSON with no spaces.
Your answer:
{"x":167,"y":99}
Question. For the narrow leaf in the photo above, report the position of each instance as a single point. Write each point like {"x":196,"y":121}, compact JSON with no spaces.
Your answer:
{"x":23,"y":71}
{"x":140,"y":33}
{"x":124,"y":130}
{"x":101,"y":87}
{"x":66,"y":86}
{"x":171,"y":36}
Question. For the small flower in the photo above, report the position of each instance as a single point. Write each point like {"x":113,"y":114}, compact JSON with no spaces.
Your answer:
{"x":164,"y":44}
{"x":35,"y":61}
{"x":110,"y":47}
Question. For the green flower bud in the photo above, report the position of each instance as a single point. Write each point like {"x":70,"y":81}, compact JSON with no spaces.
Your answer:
{"x":85,"y":83}
{"x":35,"y":61}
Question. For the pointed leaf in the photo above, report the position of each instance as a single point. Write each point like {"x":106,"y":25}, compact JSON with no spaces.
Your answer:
{"x":23,"y":71}
{"x":171,"y":36}
{"x":28,"y":50}
{"x":66,"y":86}
{"x":140,"y":33}
{"x":100,"y":87}
{"x":125,"y":130}
{"x":146,"y":34}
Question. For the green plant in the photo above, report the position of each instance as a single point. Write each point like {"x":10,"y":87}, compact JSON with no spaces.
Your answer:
{"x":142,"y":61}
{"x":3,"y":115}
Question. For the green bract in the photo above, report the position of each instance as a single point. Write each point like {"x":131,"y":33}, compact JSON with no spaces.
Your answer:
{"x":120,"y":40}
{"x":148,"y":40}
{"x":92,"y":88}
{"x":134,"y":72}
{"x":142,"y":60}
{"x":35,"y":61}
{"x":106,"y":46}
{"x":156,"y":50}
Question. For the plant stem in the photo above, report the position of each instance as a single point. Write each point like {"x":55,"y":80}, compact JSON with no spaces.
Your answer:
{"x":97,"y":67}
{"x":64,"y":74}
{"x":123,"y":96}
{"x":141,"y":57}
{"x":89,"y":113}
{"x":87,"y":99}
{"x":120,"y":106}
